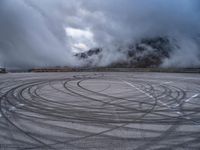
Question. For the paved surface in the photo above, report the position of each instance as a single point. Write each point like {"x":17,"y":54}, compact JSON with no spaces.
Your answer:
{"x":100,"y":111}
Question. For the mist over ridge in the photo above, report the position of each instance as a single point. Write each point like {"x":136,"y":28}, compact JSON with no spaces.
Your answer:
{"x":35,"y":33}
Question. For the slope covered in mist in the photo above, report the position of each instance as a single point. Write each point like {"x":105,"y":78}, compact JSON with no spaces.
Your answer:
{"x":150,"y":52}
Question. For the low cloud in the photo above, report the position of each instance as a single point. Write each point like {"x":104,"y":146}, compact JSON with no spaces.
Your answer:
{"x":35,"y":33}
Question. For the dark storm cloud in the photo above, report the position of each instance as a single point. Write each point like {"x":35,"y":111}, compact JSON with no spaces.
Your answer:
{"x":32,"y":32}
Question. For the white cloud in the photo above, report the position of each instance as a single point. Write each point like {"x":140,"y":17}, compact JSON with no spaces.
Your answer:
{"x":80,"y":47}
{"x":80,"y":40}
{"x":79,"y":33}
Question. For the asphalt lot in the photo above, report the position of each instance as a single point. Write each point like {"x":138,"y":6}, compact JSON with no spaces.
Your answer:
{"x":100,"y":111}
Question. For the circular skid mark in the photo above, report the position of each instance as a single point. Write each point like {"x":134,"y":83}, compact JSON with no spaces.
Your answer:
{"x":98,"y":111}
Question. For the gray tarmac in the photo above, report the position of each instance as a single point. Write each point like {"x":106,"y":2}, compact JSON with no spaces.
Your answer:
{"x":100,"y":111}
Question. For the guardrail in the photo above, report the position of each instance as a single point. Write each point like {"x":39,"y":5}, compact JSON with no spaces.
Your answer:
{"x":169,"y":70}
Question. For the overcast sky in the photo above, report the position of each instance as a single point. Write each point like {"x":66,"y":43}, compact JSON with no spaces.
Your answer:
{"x":36,"y":33}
